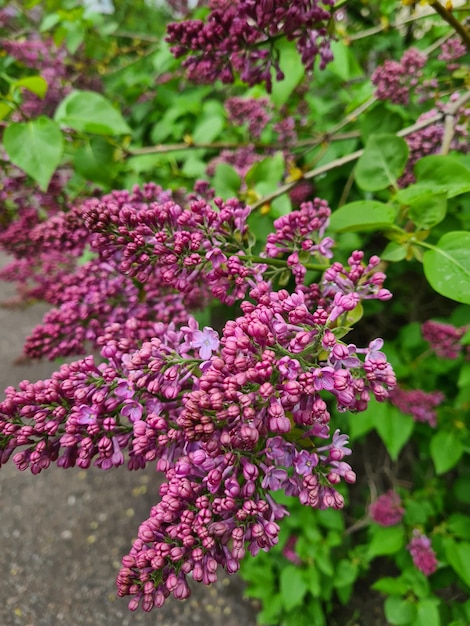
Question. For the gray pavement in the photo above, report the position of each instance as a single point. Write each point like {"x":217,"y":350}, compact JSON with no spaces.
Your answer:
{"x":63,"y":533}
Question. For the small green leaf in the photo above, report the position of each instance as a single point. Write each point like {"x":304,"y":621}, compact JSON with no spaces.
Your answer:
{"x":270,"y":170}
{"x":446,"y":450}
{"x":428,"y":209}
{"x":382,"y":162}
{"x":293,"y":69}
{"x":399,"y":612}
{"x":346,"y":573}
{"x":363,"y":215}
{"x":5,"y":109}
{"x":226,"y":181}
{"x":444,"y":174}
{"x":344,"y":63}
{"x":391,"y":586}
{"x":393,"y":252}
{"x":447,"y":266}
{"x":49,"y":22}
{"x":94,"y":160}
{"x":208,"y":129}
{"x":379,"y":120}
{"x":386,"y":540}
{"x":393,"y":427}
{"x":35,"y":147}
{"x":292,"y":586}
{"x":90,"y":112}
{"x":34,"y":84}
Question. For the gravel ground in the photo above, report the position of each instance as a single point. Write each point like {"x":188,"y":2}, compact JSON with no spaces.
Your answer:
{"x":63,"y":533}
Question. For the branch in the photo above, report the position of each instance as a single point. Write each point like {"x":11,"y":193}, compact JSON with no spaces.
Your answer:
{"x":449,"y":122}
{"x":453,"y":21}
{"x":221,"y":145}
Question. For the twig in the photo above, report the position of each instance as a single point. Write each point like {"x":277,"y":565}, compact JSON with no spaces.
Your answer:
{"x":453,"y":21}
{"x":223,"y":145}
{"x":449,"y":122}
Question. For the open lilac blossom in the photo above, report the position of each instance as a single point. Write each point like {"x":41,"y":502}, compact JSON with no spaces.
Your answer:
{"x":207,"y":340}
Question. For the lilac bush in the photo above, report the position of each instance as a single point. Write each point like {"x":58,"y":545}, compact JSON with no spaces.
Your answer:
{"x":280,"y":325}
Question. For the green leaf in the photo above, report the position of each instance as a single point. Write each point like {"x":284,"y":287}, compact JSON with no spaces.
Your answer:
{"x":428,"y":209}
{"x":34,"y":84}
{"x":393,"y":427}
{"x":49,"y":22}
{"x":391,"y":586}
{"x":361,"y":423}
{"x":382,"y":162}
{"x":428,"y":612}
{"x":271,"y":612}
{"x":459,"y":525}
{"x":90,"y":112}
{"x":5,"y":109}
{"x":393,"y":252}
{"x":346,"y":573}
{"x":379,"y":120}
{"x":344,"y":63}
{"x":35,"y":147}
{"x":446,"y":450}
{"x":293,"y":69}
{"x":312,"y":578}
{"x":208,"y":129}
{"x":386,"y":540}
{"x":363,"y":215}
{"x":399,"y":611}
{"x":447,"y":266}
{"x":292,"y":587}
{"x":461,"y":489}
{"x":226,"y":181}
{"x":270,"y":170}
{"x":458,"y":555}
{"x":94,"y":160}
{"x":444,"y":174}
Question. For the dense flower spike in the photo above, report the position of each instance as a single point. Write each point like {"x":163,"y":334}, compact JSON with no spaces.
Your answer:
{"x":394,"y":79}
{"x":387,"y":510}
{"x":239,"y":38}
{"x":444,"y":339}
{"x":255,"y":113}
{"x":418,"y":403}
{"x":422,"y":553}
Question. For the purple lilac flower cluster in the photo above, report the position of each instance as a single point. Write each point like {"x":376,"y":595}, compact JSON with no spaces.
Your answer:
{"x":49,"y":60}
{"x":422,"y":553}
{"x":229,"y":420}
{"x":444,"y":339}
{"x":387,"y":510}
{"x":428,"y":140}
{"x":239,"y":38}
{"x":418,"y":403}
{"x":252,"y":111}
{"x":450,"y":51}
{"x":394,"y":79}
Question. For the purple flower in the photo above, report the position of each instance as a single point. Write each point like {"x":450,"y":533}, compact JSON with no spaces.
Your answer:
{"x":207,"y":341}
{"x":304,"y":462}
{"x":422,"y":553}
{"x":132,"y":410}
{"x":387,"y":510}
{"x":87,"y":415}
